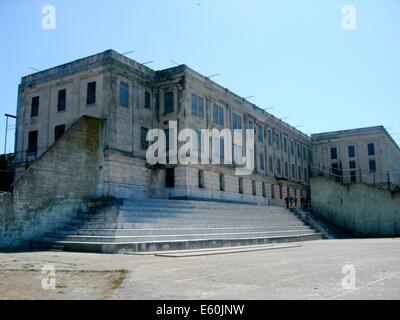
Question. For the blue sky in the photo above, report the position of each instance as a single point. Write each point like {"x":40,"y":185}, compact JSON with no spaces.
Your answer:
{"x":292,"y":55}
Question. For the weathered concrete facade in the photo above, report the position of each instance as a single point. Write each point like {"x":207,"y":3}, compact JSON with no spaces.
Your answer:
{"x":130,"y":99}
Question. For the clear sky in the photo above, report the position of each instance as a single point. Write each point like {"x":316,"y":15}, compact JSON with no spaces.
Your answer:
{"x":294,"y":56}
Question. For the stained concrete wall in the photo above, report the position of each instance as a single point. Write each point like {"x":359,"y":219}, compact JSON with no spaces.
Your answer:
{"x":50,"y":192}
{"x":357,"y":207}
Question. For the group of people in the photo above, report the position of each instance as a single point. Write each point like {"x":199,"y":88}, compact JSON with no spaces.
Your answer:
{"x":292,"y":202}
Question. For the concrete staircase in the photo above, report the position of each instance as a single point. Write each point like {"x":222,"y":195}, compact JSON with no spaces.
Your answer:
{"x":160,"y":224}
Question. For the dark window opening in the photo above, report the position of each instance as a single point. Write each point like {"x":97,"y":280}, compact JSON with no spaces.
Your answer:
{"x":123,"y":94}
{"x":351,"y":151}
{"x":62,"y":98}
{"x":91,"y":93}
{"x":59,"y":131}
{"x":170,"y":178}
{"x":372,"y":165}
{"x":143,"y":142}
{"x":371,"y":149}
{"x":272,"y":191}
{"x":147,"y":100}
{"x":168,"y":102}
{"x":333,"y":153}
{"x":264,"y":191}
{"x":35,"y":107}
{"x":240,"y":185}
{"x":254,"y":187}
{"x":353,"y":176}
{"x":33,"y":141}
{"x":221,"y":182}
{"x":201,"y":178}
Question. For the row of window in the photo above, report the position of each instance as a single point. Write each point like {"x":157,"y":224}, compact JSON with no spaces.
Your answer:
{"x":33,"y":137}
{"x":90,"y":98}
{"x":351,"y":151}
{"x":286,"y":169}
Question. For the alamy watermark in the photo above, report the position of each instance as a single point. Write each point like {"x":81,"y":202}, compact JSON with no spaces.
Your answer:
{"x":349,"y":21}
{"x":49,"y":279}
{"x":349,"y":280}
{"x":226,"y":147}
{"x":48,"y":17}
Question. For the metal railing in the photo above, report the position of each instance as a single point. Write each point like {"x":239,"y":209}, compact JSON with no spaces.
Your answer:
{"x":383,"y":180}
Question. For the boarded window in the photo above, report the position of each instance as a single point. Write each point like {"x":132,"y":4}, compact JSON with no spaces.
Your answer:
{"x":59,"y":131}
{"x":62,"y":99}
{"x":91,"y":93}
{"x":123,"y":94}
{"x":35,"y":107}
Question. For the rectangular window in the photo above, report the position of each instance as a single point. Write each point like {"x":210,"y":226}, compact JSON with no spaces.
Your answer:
{"x":237,"y":121}
{"x":170,"y":178}
{"x":254,"y":187}
{"x":218,"y":114}
{"x":59,"y":131}
{"x":222,"y":149}
{"x":299,"y":174}
{"x":293,"y":172}
{"x":33,"y":141}
{"x":260,"y":134}
{"x":277,"y":140}
{"x":143,"y":142}
{"x":62,"y":99}
{"x":353,"y":177}
{"x":197,"y":106}
{"x":261,"y":162}
{"x":305,"y":175}
{"x":286,"y":169}
{"x":168,"y":102}
{"x":269,"y":137}
{"x":371,"y":149}
{"x":271,"y":164}
{"x":221,"y":182}
{"x":264,"y":191}
{"x":272,"y":191}
{"x":292,"y":147}
{"x":251,"y":124}
{"x":123,"y":94}
{"x":304,"y":154}
{"x":372,"y":165}
{"x":201,"y":178}
{"x":35,"y":107}
{"x":309,"y":155}
{"x":240,"y":185}
{"x":91,"y":93}
{"x":147,"y":100}
{"x":285,"y":144}
{"x":333,"y":153}
{"x":352,"y":164}
{"x":298,"y":151}
{"x":351,"y":151}
{"x":278,"y":166}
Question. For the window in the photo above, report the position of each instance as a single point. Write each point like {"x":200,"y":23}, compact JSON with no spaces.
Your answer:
{"x":298,"y":151}
{"x":168,"y":102}
{"x":253,"y":187}
{"x":278,"y":166}
{"x":335,"y":169}
{"x":277,"y":140}
{"x":309,"y":155}
{"x":260,"y":134}
{"x":293,"y":172}
{"x":221,"y":182}
{"x":264,"y":191}
{"x":218,"y":114}
{"x":352,"y":164}
{"x":351,"y":151}
{"x":123,"y":94}
{"x":372,"y":165}
{"x":170,"y":177}
{"x":197,"y":106}
{"x":143,"y":142}
{"x":222,"y":149}
{"x":304,"y":153}
{"x":269,"y":137}
{"x":272,"y":191}
{"x":251,"y":124}
{"x":353,"y":176}
{"x":333,"y":153}
{"x":285,"y":144}
{"x":33,"y":141}
{"x":271,"y":164}
{"x":280,"y":192}
{"x":61,"y":101}
{"x":305,"y":175}
{"x":59,"y":131}
{"x":91,"y":93}
{"x":286,"y":169}
{"x":237,"y":121}
{"x":299,"y":174}
{"x":147,"y":100}
{"x":371,"y":149}
{"x":261,"y":162}
{"x":201,"y":178}
{"x":240,"y":185}
{"x":292,"y":147}
{"x":35,"y":107}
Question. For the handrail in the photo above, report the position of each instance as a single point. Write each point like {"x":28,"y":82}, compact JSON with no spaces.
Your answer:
{"x":308,"y":218}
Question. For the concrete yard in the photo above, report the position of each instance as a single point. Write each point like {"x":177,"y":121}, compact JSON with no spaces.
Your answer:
{"x":312,"y":270}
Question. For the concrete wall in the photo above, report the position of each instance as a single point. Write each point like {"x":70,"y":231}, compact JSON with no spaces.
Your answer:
{"x":50,"y":192}
{"x":357,"y":207}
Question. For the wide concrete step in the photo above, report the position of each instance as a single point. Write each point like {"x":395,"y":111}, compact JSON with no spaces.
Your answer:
{"x":166,"y":245}
{"x":177,"y":236}
{"x":172,"y":231}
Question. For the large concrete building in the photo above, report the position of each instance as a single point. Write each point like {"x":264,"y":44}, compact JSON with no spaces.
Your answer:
{"x":367,"y":155}
{"x":131,"y":99}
